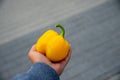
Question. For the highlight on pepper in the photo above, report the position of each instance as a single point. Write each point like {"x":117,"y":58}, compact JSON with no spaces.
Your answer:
{"x":53,"y":45}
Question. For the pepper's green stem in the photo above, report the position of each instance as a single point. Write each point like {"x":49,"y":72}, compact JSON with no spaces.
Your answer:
{"x":62,"y":30}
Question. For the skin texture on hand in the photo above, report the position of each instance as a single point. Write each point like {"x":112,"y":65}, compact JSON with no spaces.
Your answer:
{"x":35,"y":56}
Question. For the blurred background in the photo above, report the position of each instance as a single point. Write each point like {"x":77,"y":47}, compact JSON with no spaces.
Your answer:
{"x":92,"y":27}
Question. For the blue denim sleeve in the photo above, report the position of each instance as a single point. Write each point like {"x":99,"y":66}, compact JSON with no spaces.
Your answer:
{"x":38,"y":71}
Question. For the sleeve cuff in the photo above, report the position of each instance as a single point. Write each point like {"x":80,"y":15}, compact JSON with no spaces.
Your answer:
{"x":45,"y":71}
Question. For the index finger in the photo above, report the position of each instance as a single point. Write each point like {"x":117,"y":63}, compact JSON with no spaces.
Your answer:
{"x":33,"y":48}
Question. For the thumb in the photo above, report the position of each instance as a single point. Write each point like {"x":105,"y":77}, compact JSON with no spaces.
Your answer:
{"x":35,"y":56}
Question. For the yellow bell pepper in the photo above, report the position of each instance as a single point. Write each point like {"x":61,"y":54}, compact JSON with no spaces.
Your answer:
{"x":53,"y":45}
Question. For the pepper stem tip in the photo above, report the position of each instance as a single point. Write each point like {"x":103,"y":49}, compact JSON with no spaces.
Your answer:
{"x":62,"y":30}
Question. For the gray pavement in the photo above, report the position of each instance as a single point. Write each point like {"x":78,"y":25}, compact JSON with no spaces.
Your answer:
{"x":94,"y":34}
{"x":26,"y":16}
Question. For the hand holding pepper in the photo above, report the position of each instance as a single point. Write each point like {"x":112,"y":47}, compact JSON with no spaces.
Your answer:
{"x":37,"y":57}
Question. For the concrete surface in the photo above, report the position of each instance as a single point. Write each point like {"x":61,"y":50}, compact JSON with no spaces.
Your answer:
{"x":94,"y":34}
{"x":26,"y":16}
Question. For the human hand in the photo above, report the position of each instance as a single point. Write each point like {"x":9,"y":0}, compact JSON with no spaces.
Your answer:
{"x":35,"y":56}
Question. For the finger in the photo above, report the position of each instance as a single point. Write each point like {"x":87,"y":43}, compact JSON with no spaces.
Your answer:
{"x":33,"y":48}
{"x":32,"y":54}
{"x":69,"y":55}
{"x":59,"y":67}
{"x":35,"y":56}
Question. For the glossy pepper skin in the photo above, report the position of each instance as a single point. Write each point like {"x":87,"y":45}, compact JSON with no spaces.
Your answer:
{"x":53,"y":45}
